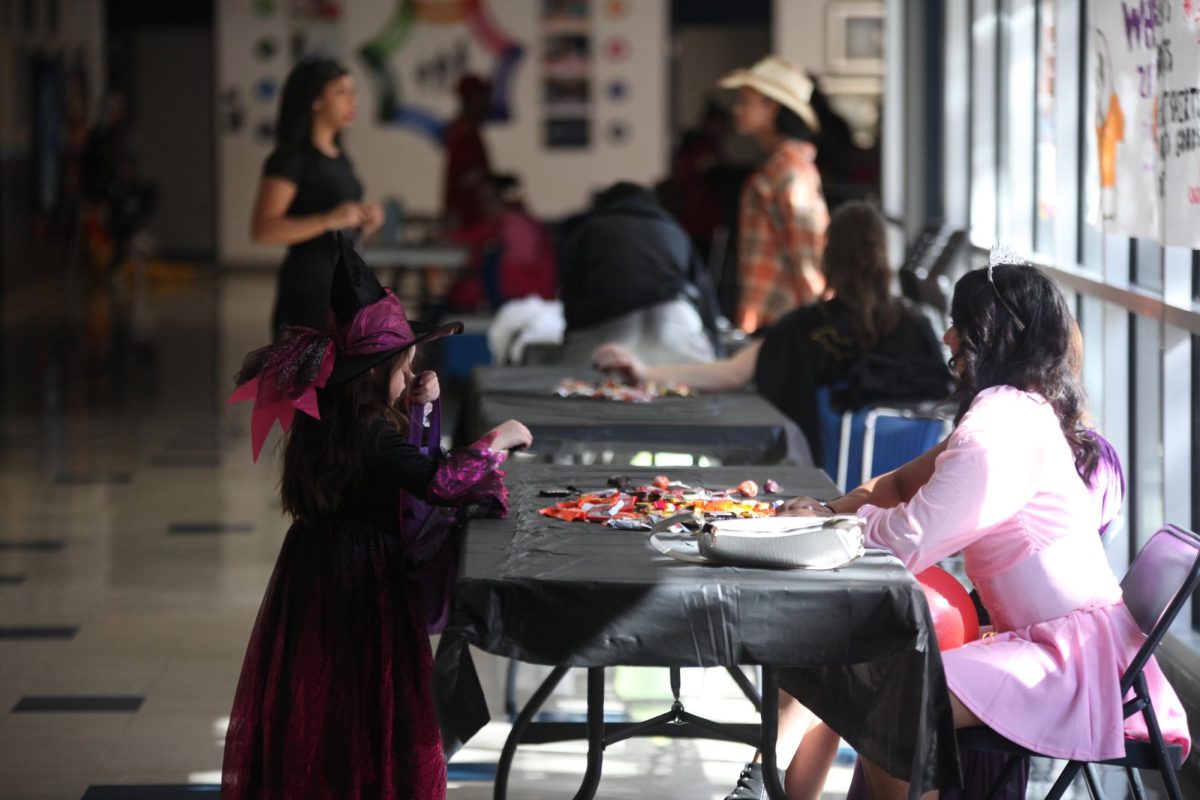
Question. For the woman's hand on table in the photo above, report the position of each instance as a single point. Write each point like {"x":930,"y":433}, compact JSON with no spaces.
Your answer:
{"x":804,"y":507}
{"x":510,"y":435}
{"x":426,"y":388}
{"x":615,"y":358}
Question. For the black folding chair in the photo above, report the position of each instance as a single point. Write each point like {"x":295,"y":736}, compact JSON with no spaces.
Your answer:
{"x":1160,"y":580}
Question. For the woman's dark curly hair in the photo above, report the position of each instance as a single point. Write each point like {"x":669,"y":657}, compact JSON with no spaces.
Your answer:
{"x":1040,"y":358}
{"x":323,"y":460}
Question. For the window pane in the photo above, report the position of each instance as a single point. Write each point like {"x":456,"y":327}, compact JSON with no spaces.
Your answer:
{"x":1043,"y":233}
{"x":1196,"y":437}
{"x":1145,"y":416}
{"x":1195,"y":278}
{"x":1148,"y":264}
{"x":1092,"y":243}
{"x":1091,"y":324}
{"x":983,"y":122}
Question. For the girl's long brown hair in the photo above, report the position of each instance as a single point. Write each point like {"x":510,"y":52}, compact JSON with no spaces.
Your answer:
{"x":857,"y":269}
{"x":324,"y":460}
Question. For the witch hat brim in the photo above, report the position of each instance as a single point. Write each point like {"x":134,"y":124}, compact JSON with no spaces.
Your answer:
{"x":347,"y":367}
{"x":353,"y":289}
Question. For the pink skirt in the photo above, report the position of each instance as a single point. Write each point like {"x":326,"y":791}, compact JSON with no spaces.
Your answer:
{"x":1054,"y":687}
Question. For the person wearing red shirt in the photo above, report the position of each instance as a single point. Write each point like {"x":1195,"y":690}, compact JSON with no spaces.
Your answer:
{"x":467,"y":162}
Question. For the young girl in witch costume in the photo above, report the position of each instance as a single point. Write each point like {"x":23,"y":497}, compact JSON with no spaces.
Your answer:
{"x":334,"y":698}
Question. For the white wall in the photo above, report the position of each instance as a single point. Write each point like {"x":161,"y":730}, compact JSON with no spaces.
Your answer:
{"x":798,"y":33}
{"x":703,"y":54}
{"x":395,"y":161}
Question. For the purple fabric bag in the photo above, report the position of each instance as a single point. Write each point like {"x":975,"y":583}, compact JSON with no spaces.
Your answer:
{"x":427,"y":530}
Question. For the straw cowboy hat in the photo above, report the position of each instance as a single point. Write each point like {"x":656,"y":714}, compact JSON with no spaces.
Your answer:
{"x":780,"y":80}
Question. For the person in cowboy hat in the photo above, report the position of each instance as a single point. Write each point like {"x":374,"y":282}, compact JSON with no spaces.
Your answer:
{"x":334,"y":696}
{"x":782,"y":215}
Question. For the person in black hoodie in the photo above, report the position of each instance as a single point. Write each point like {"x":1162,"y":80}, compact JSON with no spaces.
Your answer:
{"x":630,"y":274}
{"x":860,"y":339}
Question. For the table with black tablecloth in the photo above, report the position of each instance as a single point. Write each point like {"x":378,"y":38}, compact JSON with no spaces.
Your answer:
{"x":853,"y":644}
{"x":725,"y":427}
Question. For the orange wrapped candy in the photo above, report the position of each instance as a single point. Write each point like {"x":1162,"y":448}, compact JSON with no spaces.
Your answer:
{"x":662,"y":482}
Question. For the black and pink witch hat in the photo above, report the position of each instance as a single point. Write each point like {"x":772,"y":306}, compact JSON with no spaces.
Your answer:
{"x":367,"y":325}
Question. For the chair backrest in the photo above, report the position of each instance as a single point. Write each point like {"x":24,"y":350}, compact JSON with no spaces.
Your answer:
{"x":1160,"y":580}
{"x":830,"y":422}
{"x":859,"y":445}
{"x":894,"y":436}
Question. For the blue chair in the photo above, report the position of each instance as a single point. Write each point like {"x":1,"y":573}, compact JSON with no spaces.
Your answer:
{"x":875,"y":439}
{"x":463,"y":353}
{"x":1158,"y":584}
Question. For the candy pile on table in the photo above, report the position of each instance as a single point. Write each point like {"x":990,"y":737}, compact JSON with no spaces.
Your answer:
{"x":615,"y":390}
{"x":642,"y":507}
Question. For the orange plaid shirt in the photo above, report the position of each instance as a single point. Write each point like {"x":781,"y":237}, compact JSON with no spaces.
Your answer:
{"x":781,"y":234}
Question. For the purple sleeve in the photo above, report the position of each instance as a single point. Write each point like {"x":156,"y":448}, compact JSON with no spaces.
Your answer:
{"x":470,"y":476}
{"x":1108,"y":481}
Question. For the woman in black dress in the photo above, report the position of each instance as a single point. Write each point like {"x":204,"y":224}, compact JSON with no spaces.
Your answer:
{"x":309,"y":190}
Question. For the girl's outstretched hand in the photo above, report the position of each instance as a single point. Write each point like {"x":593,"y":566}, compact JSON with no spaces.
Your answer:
{"x":615,"y":358}
{"x":426,"y":389}
{"x":510,"y":435}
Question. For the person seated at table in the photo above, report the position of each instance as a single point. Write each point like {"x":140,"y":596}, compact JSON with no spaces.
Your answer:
{"x":1014,"y":489}
{"x":809,"y":764}
{"x":630,"y":274}
{"x":860,"y":337}
{"x":512,"y":253}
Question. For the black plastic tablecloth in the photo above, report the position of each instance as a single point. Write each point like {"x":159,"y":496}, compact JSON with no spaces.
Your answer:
{"x":730,"y":427}
{"x":854,"y":644}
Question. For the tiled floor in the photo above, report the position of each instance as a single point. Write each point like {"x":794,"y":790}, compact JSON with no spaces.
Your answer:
{"x":136,"y":538}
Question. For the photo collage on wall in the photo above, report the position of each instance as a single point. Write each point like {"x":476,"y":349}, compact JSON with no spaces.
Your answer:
{"x":570,"y":53}
{"x":567,"y":73}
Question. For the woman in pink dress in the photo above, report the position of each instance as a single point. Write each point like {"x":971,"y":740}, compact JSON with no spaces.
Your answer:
{"x":1012,"y":490}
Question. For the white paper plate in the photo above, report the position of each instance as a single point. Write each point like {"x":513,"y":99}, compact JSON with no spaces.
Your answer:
{"x":790,"y":542}
{"x":797,"y":542}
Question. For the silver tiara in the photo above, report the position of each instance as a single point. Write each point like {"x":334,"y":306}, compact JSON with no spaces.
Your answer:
{"x":1003,"y":254}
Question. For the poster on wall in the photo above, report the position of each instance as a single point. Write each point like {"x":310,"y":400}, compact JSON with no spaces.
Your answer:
{"x":567,"y":66}
{"x":1144,"y":115}
{"x":418,"y":55}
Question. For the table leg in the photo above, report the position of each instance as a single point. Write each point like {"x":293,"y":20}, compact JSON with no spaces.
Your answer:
{"x":521,"y":724}
{"x":770,"y":730}
{"x":595,"y":734}
{"x":748,"y":688}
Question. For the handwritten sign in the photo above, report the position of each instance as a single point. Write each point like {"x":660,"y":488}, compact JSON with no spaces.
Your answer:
{"x":1144,"y":96}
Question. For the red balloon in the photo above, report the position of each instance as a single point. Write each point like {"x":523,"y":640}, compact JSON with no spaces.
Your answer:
{"x":955,"y":620}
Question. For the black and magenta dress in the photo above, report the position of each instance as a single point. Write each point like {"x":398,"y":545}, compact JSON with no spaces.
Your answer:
{"x":334,"y":698}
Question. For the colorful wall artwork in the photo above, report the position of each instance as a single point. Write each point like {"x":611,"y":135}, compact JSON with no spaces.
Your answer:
{"x":478,"y":30}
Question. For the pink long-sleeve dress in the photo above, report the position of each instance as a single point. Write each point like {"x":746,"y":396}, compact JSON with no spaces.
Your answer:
{"x":1007,"y":495}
